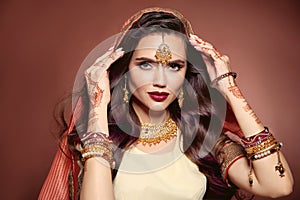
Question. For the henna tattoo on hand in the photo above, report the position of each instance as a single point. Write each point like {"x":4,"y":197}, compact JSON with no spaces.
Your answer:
{"x":96,"y":99}
{"x":93,"y":115}
{"x":247,"y":106}
{"x":236,"y":92}
{"x":252,"y":114}
{"x":98,"y":96}
{"x":93,"y":121}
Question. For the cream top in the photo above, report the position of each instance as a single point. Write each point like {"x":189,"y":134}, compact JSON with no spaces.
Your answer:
{"x":156,"y":176}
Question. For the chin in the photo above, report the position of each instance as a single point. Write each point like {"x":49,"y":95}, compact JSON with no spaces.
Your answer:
{"x":158,"y":107}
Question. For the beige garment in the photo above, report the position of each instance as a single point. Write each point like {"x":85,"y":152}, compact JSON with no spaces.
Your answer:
{"x":168,"y":176}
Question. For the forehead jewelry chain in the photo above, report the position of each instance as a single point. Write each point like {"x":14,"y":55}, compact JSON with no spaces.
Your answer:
{"x":163,"y":53}
{"x":155,"y":133}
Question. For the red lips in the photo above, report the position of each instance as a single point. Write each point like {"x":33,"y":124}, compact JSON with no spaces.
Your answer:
{"x":158,"y":96}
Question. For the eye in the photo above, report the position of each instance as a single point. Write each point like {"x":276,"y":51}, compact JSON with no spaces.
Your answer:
{"x":145,"y":65}
{"x":175,"y":66}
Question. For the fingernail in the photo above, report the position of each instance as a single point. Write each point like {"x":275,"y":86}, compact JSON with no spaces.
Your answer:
{"x":111,"y":48}
{"x":119,"y":49}
{"x":192,"y":35}
{"x":199,"y":48}
{"x":119,"y":52}
{"x":193,"y":42}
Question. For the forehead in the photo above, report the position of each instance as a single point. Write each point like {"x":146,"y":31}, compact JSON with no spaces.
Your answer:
{"x":150,"y":43}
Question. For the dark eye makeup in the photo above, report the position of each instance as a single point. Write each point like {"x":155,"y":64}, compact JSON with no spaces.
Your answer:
{"x":146,"y":63}
{"x":175,"y":66}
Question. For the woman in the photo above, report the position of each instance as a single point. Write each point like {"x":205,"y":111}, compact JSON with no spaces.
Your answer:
{"x":164,"y":91}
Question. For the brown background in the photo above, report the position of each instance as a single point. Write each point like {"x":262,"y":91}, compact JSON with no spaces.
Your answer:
{"x":42,"y":44}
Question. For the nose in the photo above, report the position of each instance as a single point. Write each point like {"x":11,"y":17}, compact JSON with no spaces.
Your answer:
{"x":159,"y":79}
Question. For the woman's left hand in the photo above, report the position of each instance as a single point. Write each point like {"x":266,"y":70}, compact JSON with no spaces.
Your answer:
{"x":217,"y":64}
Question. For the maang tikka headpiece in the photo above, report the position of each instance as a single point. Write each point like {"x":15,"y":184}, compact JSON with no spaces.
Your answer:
{"x":163,"y":53}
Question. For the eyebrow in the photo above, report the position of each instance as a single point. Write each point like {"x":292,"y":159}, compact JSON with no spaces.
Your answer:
{"x":153,"y":61}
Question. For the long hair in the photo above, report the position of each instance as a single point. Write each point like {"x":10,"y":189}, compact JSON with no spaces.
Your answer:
{"x":193,"y":123}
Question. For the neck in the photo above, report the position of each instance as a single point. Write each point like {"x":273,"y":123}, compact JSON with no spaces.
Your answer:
{"x":146,"y":115}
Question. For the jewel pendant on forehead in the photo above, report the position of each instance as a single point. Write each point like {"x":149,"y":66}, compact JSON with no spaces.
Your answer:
{"x":163,"y":53}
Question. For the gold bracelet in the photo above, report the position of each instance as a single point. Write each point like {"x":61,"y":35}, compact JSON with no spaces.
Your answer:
{"x":262,"y":146}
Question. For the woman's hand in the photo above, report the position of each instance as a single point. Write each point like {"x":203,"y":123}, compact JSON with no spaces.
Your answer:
{"x":216,"y":63}
{"x":98,"y":86}
{"x":97,"y":78}
{"x":97,"y":146}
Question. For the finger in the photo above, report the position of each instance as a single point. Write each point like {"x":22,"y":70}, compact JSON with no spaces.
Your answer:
{"x":206,"y":47}
{"x":105,"y":61}
{"x":225,"y":59}
{"x":108,"y":55}
{"x":213,"y":53}
{"x":200,"y":41}
{"x":111,"y":48}
{"x":207,"y":51}
{"x":115,"y":55}
{"x":200,"y":47}
{"x":96,"y":71}
{"x":104,"y":55}
{"x":112,"y":58}
{"x":210,"y":52}
{"x":196,"y":38}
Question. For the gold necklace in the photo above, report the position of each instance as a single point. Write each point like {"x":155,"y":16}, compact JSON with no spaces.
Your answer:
{"x":155,"y":133}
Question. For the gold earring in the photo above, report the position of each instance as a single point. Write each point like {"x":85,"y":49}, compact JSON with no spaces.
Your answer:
{"x":125,"y":98}
{"x":180,"y":98}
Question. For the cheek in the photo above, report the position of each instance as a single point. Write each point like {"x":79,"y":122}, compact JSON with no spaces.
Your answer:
{"x":138,"y":79}
{"x":175,"y":82}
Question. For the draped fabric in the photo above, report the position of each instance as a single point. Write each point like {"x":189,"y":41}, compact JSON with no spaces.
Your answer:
{"x":63,"y":177}
{"x":63,"y":169}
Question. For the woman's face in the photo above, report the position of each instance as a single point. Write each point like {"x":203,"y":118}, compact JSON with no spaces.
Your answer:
{"x":155,"y":85}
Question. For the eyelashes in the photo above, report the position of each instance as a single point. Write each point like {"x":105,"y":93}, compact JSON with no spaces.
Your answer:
{"x":174,"y":66}
{"x":145,"y":65}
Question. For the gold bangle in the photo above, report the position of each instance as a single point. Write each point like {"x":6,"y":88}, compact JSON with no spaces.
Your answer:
{"x":262,"y":146}
{"x":264,"y":153}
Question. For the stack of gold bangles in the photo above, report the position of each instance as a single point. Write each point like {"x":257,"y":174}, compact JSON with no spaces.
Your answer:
{"x":97,"y":145}
{"x":261,"y":145}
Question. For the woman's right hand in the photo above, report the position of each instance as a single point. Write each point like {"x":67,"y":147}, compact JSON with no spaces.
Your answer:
{"x":98,"y":87}
{"x":97,"y":78}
